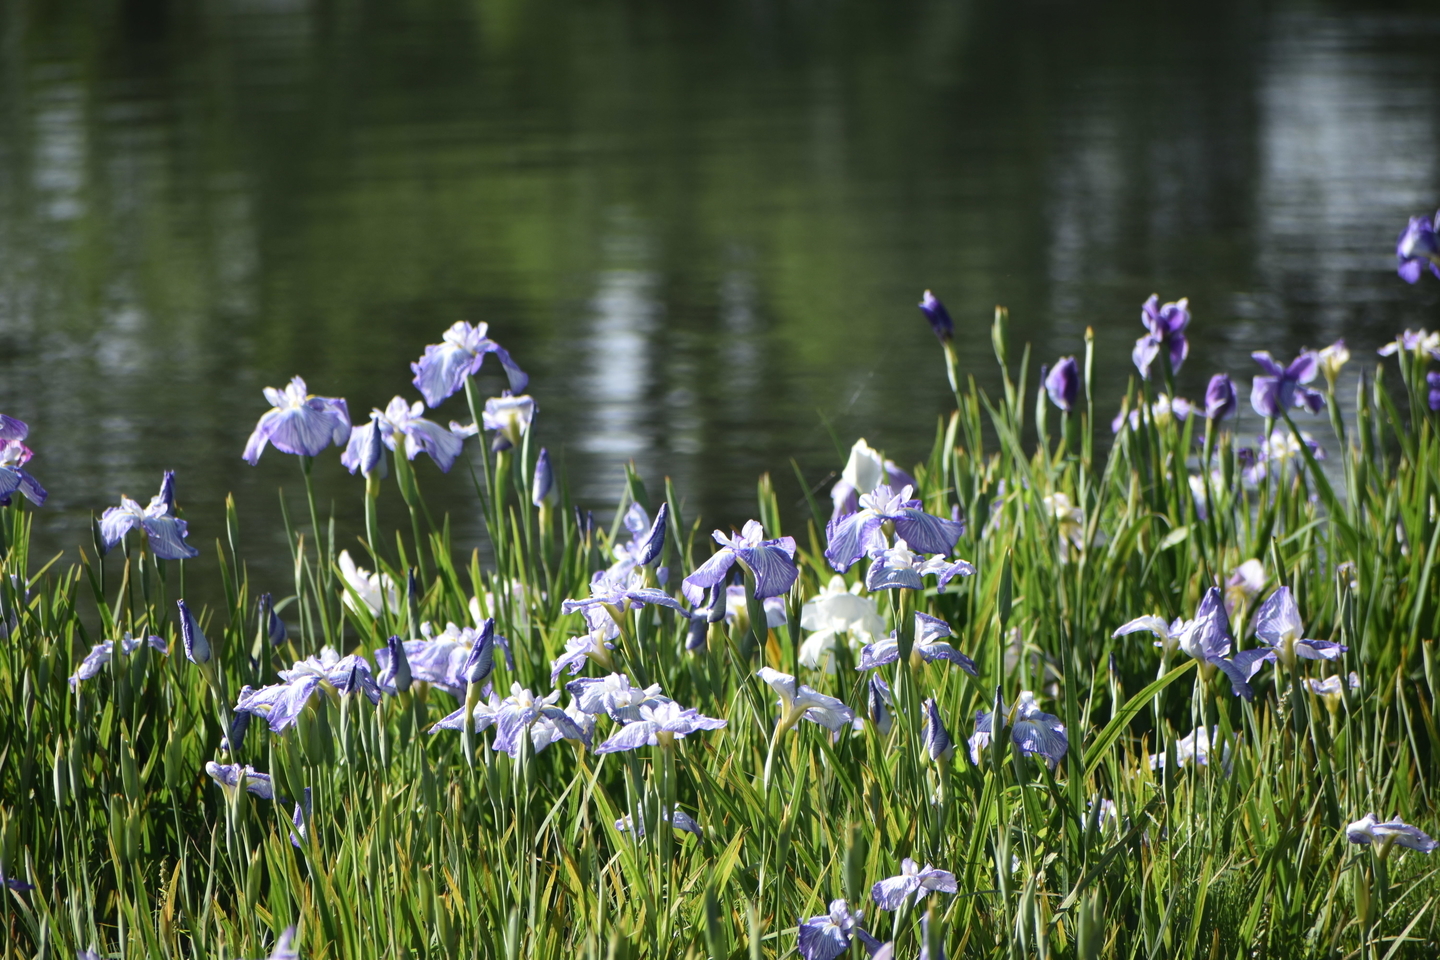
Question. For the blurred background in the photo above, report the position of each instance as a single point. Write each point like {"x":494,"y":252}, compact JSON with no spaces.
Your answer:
{"x":701,"y":227}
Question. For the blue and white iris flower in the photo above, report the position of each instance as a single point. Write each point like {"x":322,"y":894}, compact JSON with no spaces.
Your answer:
{"x":799,"y":702}
{"x":441,"y":370}
{"x":230,"y":776}
{"x":1207,"y":639}
{"x":861,"y":533}
{"x":509,"y":417}
{"x":661,"y":724}
{"x":828,"y":936}
{"x":772,"y":562}
{"x":682,"y":821}
{"x":1032,"y":731}
{"x":1367,"y":830}
{"x":165,"y":531}
{"x":1277,"y":622}
{"x":300,"y":423}
{"x":930,"y":645}
{"x":101,"y":653}
{"x":401,"y":421}
{"x":615,"y":696}
{"x":912,"y":879}
{"x":450,"y":660}
{"x":280,"y":704}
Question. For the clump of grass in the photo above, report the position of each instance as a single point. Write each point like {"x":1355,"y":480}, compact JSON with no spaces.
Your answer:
{"x":423,"y":842}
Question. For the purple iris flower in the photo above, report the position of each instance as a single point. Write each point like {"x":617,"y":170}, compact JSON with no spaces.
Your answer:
{"x":930,"y":645}
{"x":938,"y":316}
{"x":845,"y":498}
{"x":799,"y":702}
{"x":450,"y":660}
{"x":299,"y":423}
{"x":771,"y":561}
{"x":165,"y":531}
{"x":402,"y":420}
{"x":828,"y":936}
{"x":1032,"y":731}
{"x":1166,"y":325}
{"x":1414,"y":342}
{"x":519,"y":715}
{"x":683,"y":822}
{"x":1277,"y":622}
{"x":230,"y":775}
{"x":1284,"y":387}
{"x":1418,"y":248}
{"x":1207,"y":639}
{"x":586,"y":648}
{"x":544,"y":480}
{"x":1220,"y":401}
{"x":1367,"y":830}
{"x":197,"y":647}
{"x":101,"y":653}
{"x":280,"y":704}
{"x":851,"y":537}
{"x":611,"y":594}
{"x":898,"y":567}
{"x":1433,"y":379}
{"x":615,"y":696}
{"x":13,"y":475}
{"x":661,"y":724}
{"x":1063,"y":383}
{"x":877,"y":704}
{"x":442,"y":370}
{"x":912,"y":879}
{"x":510,"y":417}
{"x":936,"y":738}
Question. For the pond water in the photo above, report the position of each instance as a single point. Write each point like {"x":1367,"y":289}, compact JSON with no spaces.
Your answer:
{"x":702,"y":228}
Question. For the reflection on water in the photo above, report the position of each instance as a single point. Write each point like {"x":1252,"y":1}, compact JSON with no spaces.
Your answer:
{"x":702,"y":229}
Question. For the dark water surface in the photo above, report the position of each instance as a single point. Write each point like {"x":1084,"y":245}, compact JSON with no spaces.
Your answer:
{"x":702,"y":227}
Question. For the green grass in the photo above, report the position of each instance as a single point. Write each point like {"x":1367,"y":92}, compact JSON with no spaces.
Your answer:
{"x":413,"y":850}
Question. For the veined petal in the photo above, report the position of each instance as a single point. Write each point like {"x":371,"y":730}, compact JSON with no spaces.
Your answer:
{"x":847,"y":537}
{"x":1319,"y":649}
{"x":772,"y":564}
{"x":926,"y":534}
{"x":879,"y":653}
{"x":943,"y":651}
{"x":889,"y":894}
{"x":115,"y":522}
{"x":429,"y":437}
{"x":441,"y":371}
{"x":167,"y":538}
{"x":708,"y":574}
{"x":630,"y":737}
